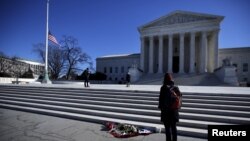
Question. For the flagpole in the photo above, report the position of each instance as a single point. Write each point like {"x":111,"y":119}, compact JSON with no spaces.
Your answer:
{"x":46,"y":76}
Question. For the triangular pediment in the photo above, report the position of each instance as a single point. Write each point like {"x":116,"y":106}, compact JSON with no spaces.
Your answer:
{"x":181,"y":17}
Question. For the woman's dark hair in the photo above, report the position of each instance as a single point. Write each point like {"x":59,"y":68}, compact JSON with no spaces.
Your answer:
{"x":168,"y":80}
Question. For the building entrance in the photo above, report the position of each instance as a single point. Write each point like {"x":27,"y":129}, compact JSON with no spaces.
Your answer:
{"x":176,"y":64}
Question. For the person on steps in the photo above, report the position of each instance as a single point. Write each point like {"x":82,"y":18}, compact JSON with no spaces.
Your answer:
{"x":169,"y":116}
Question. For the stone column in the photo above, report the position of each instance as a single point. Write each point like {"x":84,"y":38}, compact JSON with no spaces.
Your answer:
{"x":216,"y":48}
{"x":213,"y":52}
{"x":203,"y":54}
{"x":181,"y":57}
{"x":170,"y":53}
{"x":151,"y":54}
{"x":142,"y":56}
{"x":160,"y":57}
{"x":192,"y":52}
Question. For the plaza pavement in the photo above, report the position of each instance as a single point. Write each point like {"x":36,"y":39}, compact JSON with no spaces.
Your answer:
{"x":22,"y":126}
{"x":189,"y":89}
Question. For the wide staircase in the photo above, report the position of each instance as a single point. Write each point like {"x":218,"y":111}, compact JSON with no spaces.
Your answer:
{"x":134,"y":107}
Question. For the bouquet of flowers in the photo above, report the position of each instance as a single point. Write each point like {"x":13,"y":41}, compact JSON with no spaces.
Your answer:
{"x":123,"y":130}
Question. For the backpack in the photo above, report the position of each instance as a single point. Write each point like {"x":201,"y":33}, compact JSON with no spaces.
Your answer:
{"x":177,"y":98}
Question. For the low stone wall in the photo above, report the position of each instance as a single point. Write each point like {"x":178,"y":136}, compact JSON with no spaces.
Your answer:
{"x":10,"y":80}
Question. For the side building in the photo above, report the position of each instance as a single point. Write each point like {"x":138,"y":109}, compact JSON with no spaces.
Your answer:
{"x":10,"y":66}
{"x":116,"y":66}
{"x":240,"y":58}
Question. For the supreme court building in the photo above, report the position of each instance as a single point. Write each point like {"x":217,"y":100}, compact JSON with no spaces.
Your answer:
{"x":180,"y":42}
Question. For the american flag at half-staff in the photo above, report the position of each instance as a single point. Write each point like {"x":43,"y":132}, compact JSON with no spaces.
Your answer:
{"x":52,"y":38}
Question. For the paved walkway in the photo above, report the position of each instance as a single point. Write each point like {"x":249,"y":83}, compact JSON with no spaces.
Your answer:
{"x":199,"y":89}
{"x":22,"y":126}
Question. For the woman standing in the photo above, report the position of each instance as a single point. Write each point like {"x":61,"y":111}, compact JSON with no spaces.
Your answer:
{"x":128,"y":79}
{"x":169,"y":116}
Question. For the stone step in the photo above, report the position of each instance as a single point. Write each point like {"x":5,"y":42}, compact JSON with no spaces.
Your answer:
{"x":130,"y":104}
{"x":245,"y":114}
{"x":217,"y":106}
{"x":217,"y":102}
{"x":78,"y":90}
{"x":186,"y":96}
{"x":134,"y":110}
{"x":119,"y":92}
{"x":137,"y":99}
{"x":124,"y":116}
{"x":234,"y":97}
{"x":184,"y":131}
{"x":183,"y":115}
{"x":108,"y":102}
{"x":138,"y":107}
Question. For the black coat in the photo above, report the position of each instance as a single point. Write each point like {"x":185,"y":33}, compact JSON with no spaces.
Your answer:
{"x":128,"y":77}
{"x":86,"y":74}
{"x":167,"y":115}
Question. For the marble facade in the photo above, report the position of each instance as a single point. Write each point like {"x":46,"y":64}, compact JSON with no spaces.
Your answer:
{"x":180,"y":42}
